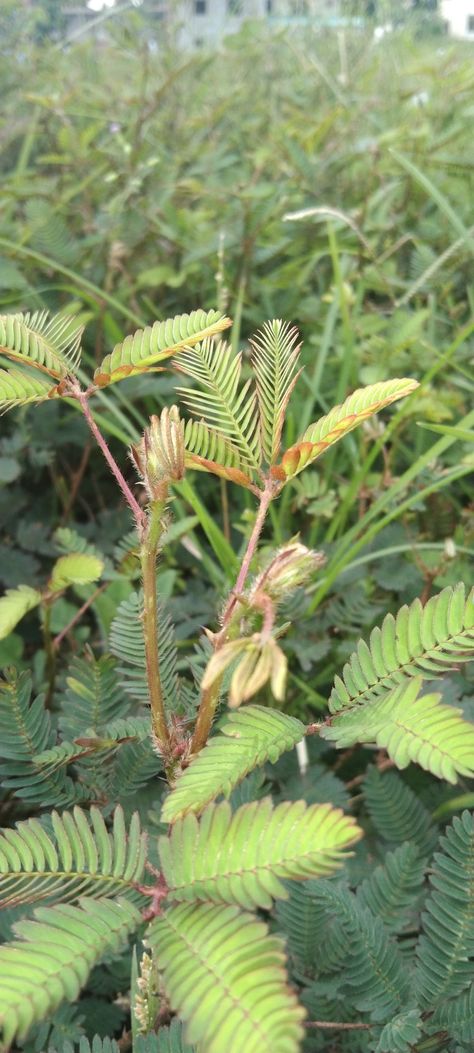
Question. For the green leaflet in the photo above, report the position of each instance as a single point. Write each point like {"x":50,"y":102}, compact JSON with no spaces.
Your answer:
{"x":245,"y":740}
{"x":447,"y":942}
{"x":411,"y":727}
{"x":396,"y":812}
{"x":315,"y":939}
{"x":145,"y":348}
{"x":98,"y":1045}
{"x":93,"y":696}
{"x":168,"y":1040}
{"x":14,"y":605}
{"x":25,"y":733}
{"x":49,"y":343}
{"x":53,"y":956}
{"x":401,"y":1033}
{"x":392,"y":891}
{"x":225,"y":976}
{"x":420,"y":641}
{"x":19,"y":389}
{"x":127,"y":644}
{"x":79,"y":858}
{"x":241,"y":858}
{"x":342,"y":419}
{"x":456,"y":1017}
{"x":209,"y":450}
{"x":374,"y":969}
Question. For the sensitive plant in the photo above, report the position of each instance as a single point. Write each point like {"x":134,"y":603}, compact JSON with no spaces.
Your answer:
{"x":200,"y":893}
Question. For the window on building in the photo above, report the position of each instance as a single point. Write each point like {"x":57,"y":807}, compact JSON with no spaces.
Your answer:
{"x":470,"y":23}
{"x":235,"y":7}
{"x":200,"y":7}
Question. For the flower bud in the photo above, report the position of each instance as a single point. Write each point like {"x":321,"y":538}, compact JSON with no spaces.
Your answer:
{"x":159,"y":456}
{"x":290,"y":567}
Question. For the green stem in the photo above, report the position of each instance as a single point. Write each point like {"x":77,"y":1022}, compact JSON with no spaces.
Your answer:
{"x":148,"y":554}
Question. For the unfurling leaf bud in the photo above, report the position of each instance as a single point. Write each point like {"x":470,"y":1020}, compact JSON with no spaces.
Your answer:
{"x":159,"y":456}
{"x":290,"y":567}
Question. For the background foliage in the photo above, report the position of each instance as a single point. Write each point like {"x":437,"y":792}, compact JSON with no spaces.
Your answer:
{"x":324,"y":182}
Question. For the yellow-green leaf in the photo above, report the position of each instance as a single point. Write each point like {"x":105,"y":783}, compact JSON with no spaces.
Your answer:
{"x":77,"y":568}
{"x":362,"y":404}
{"x":14,"y":605}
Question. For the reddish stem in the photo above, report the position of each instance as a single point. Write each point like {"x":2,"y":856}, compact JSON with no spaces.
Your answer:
{"x":127,"y":493}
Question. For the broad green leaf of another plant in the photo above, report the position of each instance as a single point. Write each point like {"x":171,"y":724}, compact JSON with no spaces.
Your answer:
{"x":78,"y":568}
{"x":225,"y":977}
{"x":244,"y":741}
{"x":14,"y":605}
{"x":411,"y":727}
{"x":242,"y":858}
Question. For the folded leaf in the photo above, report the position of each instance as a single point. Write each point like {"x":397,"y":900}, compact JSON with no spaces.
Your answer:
{"x":49,"y":343}
{"x":146,"y":348}
{"x":362,"y":404}
{"x":18,"y":389}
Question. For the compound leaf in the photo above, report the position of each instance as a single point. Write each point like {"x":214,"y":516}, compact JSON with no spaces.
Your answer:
{"x":420,"y":641}
{"x":241,"y":858}
{"x":18,"y":388}
{"x":447,"y":940}
{"x":53,"y":957}
{"x":78,"y":858}
{"x":275,"y":355}
{"x":225,"y":976}
{"x":411,"y":727}
{"x":318,"y":437}
{"x":246,"y":740}
{"x":220,"y":400}
{"x":145,"y":348}
{"x":48,"y":343}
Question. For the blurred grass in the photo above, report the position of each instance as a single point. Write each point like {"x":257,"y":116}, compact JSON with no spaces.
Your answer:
{"x":137,"y":184}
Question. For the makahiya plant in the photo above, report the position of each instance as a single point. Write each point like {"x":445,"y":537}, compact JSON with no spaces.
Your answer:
{"x":213,"y":976}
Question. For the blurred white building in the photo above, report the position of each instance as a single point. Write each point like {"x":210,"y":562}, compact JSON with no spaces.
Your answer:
{"x":204,"y":22}
{"x":459,"y":17}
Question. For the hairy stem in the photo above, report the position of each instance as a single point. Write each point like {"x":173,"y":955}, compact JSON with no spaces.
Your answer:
{"x":138,"y":513}
{"x":148,"y":554}
{"x":210,"y":698}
